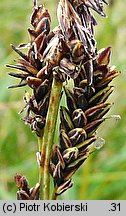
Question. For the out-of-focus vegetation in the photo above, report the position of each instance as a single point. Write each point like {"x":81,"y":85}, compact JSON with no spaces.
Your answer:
{"x":103,"y":176}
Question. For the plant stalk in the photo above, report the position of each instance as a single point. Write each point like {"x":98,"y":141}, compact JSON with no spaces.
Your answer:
{"x":48,"y":136}
{"x":40,"y":168}
{"x":53,"y":195}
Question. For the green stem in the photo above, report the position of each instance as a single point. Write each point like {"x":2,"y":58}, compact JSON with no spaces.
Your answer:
{"x":41,"y":193}
{"x":54,"y":196}
{"x":48,"y":135}
{"x":40,"y":168}
{"x":40,"y":141}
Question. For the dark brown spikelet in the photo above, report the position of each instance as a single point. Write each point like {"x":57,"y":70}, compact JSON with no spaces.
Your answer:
{"x":24,"y":192}
{"x":77,"y":22}
{"x":86,"y":102}
{"x":35,"y":72}
{"x":85,"y":113}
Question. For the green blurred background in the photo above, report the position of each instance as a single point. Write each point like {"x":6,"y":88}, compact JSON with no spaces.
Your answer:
{"x":103,"y":176}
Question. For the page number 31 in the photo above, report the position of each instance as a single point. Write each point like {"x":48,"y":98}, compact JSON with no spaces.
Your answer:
{"x":115,"y":207}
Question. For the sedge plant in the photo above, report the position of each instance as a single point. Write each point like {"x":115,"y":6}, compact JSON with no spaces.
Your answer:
{"x":52,"y":59}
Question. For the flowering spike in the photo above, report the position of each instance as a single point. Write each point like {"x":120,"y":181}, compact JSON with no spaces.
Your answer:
{"x":69,"y":52}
